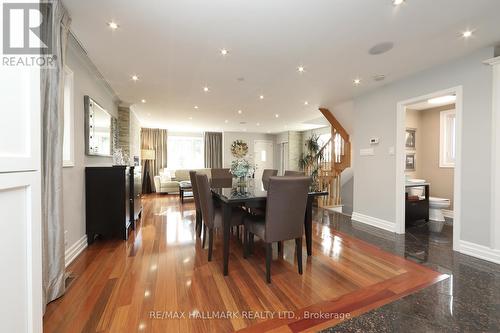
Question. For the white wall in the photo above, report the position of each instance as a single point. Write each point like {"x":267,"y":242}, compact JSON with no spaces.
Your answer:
{"x":249,"y":138}
{"x":375,"y":116}
{"x":86,"y":82}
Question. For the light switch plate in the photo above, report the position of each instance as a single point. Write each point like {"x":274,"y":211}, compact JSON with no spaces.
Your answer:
{"x":367,"y":152}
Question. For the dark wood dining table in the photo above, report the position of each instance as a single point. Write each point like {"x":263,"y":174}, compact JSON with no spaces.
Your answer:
{"x":253,"y":195}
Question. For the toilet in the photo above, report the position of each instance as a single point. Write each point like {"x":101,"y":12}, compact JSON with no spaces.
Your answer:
{"x":436,"y":217}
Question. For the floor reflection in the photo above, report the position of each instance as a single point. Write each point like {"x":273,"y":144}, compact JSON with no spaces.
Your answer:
{"x":468,"y":301}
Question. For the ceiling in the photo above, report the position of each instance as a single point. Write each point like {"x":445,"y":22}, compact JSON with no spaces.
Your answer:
{"x":174,"y":48}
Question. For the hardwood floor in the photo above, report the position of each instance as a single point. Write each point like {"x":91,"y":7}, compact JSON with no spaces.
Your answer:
{"x":162,"y":272}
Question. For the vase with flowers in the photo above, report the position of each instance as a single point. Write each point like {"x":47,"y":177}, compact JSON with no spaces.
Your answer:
{"x":241,"y":169}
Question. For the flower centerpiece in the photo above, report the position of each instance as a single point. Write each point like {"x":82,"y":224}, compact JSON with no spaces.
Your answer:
{"x":241,"y":168}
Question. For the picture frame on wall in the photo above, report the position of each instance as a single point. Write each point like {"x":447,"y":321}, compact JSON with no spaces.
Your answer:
{"x":410,"y":162}
{"x":411,"y":138}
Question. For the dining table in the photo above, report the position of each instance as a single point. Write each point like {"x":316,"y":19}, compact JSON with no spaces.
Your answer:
{"x":253,"y":195}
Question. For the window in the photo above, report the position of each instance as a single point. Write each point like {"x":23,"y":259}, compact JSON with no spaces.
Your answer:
{"x":68,"y":140}
{"x":447,"y":146}
{"x":185,"y":151}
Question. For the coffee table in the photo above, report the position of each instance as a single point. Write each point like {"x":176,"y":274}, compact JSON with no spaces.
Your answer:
{"x":185,"y":190}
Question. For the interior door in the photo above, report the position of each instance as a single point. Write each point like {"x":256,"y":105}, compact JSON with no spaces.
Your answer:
{"x":263,"y":158}
{"x":20,"y":197}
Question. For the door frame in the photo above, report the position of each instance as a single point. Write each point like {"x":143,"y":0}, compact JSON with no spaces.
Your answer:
{"x":400,"y":160}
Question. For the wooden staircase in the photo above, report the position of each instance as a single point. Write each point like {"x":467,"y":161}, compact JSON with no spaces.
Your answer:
{"x":333,"y":158}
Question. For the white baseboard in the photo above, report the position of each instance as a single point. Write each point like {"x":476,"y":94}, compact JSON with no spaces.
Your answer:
{"x":448,"y":213}
{"x":374,"y":222}
{"x":74,"y":250}
{"x":479,"y":251}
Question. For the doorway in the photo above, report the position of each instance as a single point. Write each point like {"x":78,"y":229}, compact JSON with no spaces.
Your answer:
{"x":405,"y":160}
{"x":263,"y":159}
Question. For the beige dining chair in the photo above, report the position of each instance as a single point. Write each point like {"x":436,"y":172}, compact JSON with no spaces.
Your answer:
{"x":221,"y":178}
{"x":212,"y":215}
{"x":199,"y":224}
{"x":265,"y":177}
{"x":290,"y":173}
{"x":284,"y":218}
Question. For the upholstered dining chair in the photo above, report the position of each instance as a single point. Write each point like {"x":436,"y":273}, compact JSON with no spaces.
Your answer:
{"x":284,"y":218}
{"x":212,"y":215}
{"x":221,"y":178}
{"x":265,"y":177}
{"x":199,"y":224}
{"x":290,"y":173}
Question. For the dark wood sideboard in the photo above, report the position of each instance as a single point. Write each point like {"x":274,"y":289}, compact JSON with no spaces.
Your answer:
{"x":112,"y":200}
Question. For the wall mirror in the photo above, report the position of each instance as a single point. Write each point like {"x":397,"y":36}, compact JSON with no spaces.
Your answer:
{"x":98,"y":129}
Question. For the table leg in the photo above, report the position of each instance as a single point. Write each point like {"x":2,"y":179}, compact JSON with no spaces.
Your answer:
{"x":226,"y":221}
{"x":308,"y":225}
{"x":180,"y":195}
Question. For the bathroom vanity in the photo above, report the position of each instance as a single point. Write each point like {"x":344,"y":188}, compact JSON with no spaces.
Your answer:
{"x":417,"y":206}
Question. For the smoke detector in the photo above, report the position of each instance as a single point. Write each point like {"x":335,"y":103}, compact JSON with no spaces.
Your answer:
{"x":381,"y":48}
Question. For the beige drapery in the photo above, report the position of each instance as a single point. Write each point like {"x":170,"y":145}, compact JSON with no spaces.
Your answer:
{"x":156,"y":139}
{"x":213,"y":150}
{"x":55,"y":25}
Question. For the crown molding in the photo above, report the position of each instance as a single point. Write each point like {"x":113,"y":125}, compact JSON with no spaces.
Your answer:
{"x":76,"y":46}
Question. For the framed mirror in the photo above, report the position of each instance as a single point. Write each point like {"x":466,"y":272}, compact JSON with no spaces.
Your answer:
{"x":98,"y":129}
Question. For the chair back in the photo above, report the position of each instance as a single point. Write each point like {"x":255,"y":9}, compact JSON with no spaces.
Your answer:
{"x":206,"y":200}
{"x":286,"y":207}
{"x":221,"y":178}
{"x":192,"y":177}
{"x":265,"y":177}
{"x":290,"y":173}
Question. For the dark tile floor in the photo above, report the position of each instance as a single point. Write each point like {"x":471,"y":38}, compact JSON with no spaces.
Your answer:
{"x":468,"y":301}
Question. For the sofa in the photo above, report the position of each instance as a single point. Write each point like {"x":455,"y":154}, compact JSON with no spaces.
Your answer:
{"x":168,"y":181}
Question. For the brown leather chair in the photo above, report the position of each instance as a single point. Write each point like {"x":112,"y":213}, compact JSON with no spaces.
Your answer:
{"x":290,"y":173}
{"x":265,"y":177}
{"x":221,"y":178}
{"x":192,"y":177}
{"x":212,"y":215}
{"x":284,"y":219}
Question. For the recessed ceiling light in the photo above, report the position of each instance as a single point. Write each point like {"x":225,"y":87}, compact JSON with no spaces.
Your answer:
{"x":301,"y":69}
{"x":206,"y":89}
{"x":467,"y":34}
{"x":276,"y":115}
{"x":149,"y":114}
{"x":443,"y":99}
{"x":306,"y":103}
{"x":135,"y":77}
{"x":224,"y":52}
{"x":258,"y":124}
{"x":143,"y":100}
{"x":113,"y":25}
{"x":226,"y":121}
{"x":356,"y":82}
{"x":244,"y":130}
{"x":397,"y":2}
{"x":196,"y":107}
{"x":286,"y":126}
{"x":190,"y":118}
{"x":240,"y":112}
{"x":261,"y":96}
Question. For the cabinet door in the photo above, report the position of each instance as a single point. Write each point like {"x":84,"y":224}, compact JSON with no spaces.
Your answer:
{"x":20,"y":118}
{"x":20,"y":238}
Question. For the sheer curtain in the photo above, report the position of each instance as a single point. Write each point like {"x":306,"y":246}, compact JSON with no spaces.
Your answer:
{"x":52,"y":88}
{"x":213,"y":150}
{"x":155,"y":139}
